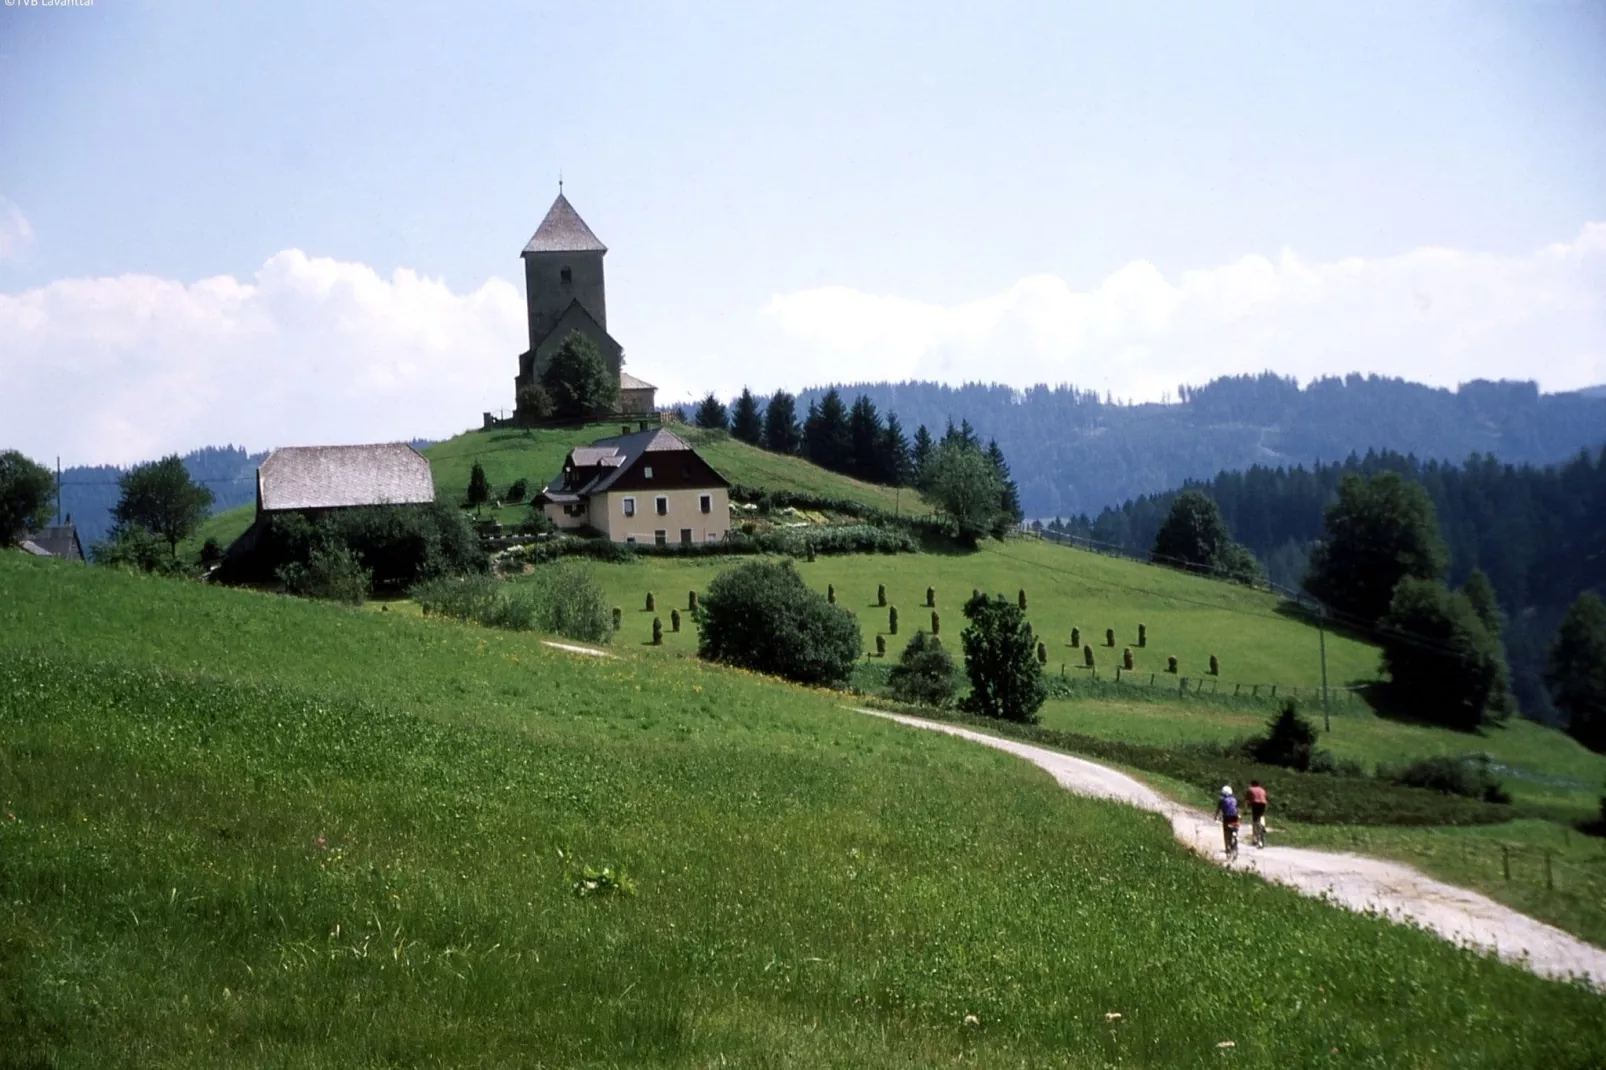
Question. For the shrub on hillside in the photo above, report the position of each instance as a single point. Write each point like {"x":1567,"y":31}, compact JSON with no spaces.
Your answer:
{"x":135,"y":548}
{"x":925,"y":673}
{"x":1290,"y":740}
{"x":331,"y":572}
{"x":1468,"y":776}
{"x":400,"y":545}
{"x":517,"y":491}
{"x":762,"y":616}
{"x":568,"y":601}
{"x":479,"y":598}
{"x":1006,"y":679}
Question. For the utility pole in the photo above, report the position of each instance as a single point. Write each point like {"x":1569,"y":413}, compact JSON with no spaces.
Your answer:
{"x":1321,"y":632}
{"x":58,"y":490}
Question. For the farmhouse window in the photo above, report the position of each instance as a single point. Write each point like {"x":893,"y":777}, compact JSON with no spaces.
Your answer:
{"x":660,"y":537}
{"x":685,"y":536}
{"x":646,"y":473}
{"x":663,"y":506}
{"x":630,"y":540}
{"x":630,"y":507}
{"x":706,"y":503}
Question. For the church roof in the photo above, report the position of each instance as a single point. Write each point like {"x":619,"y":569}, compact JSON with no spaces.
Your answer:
{"x":563,"y":231}
{"x":333,"y":477}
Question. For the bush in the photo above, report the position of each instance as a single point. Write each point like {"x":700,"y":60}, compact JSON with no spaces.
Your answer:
{"x":925,"y":673}
{"x":518,"y":491}
{"x":1006,"y":680}
{"x":332,"y":572}
{"x":482,"y":599}
{"x":130,"y":547}
{"x":762,"y":616}
{"x":400,"y":544}
{"x":1290,"y":740}
{"x":1127,"y":661}
{"x":211,"y":551}
{"x":570,"y":602}
{"x":1143,"y":635}
{"x":1468,"y":776}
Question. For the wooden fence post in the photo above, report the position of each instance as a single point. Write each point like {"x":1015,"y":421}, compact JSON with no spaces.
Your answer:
{"x":1505,"y":860}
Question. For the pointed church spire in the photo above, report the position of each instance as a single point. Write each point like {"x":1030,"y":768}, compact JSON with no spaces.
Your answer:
{"x":563,"y":231}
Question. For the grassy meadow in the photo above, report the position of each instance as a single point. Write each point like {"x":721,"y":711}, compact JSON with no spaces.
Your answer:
{"x":1188,"y":617}
{"x":242,"y":829}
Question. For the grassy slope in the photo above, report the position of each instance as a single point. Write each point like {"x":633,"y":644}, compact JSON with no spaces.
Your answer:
{"x":815,"y":888}
{"x":537,"y":456}
{"x":1187,"y":616}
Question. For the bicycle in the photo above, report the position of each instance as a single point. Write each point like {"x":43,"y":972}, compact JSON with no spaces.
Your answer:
{"x":1232,"y":841}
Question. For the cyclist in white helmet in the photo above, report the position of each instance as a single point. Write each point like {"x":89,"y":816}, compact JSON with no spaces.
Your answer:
{"x":1227,"y":809}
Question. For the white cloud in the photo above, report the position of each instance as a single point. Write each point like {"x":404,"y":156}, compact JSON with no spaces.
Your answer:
{"x":1434,"y":315}
{"x":16,"y":236}
{"x":312,"y":350}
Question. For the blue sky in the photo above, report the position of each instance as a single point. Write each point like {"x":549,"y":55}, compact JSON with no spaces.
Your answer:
{"x":300,"y":222}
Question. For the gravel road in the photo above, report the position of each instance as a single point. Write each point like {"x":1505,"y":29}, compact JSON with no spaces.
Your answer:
{"x":1356,"y":882}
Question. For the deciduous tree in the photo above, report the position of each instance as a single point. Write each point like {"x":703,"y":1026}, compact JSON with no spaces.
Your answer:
{"x":1443,"y":664}
{"x":25,"y":490}
{"x":160,"y":497}
{"x":579,"y":380}
{"x":965,"y":487}
{"x":1379,"y":531}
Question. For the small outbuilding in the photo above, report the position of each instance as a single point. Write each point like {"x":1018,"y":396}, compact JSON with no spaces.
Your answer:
{"x":58,"y":540}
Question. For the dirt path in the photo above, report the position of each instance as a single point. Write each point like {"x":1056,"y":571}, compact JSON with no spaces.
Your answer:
{"x":573,"y":649}
{"x":1354,"y":881}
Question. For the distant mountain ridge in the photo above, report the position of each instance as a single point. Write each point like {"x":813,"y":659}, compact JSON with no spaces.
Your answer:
{"x":1072,"y":451}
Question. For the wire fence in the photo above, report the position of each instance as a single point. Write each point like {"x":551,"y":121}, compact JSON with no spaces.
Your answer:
{"x":1212,"y":686}
{"x":1576,"y":867}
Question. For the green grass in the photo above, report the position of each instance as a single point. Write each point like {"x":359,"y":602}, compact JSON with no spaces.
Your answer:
{"x":537,"y":455}
{"x":1187,"y":616}
{"x":240,"y":829}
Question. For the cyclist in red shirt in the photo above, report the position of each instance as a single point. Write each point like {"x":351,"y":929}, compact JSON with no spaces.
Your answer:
{"x":1257,"y":811}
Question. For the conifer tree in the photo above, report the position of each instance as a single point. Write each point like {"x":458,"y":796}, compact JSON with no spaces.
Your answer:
{"x":865,"y":440}
{"x":781,"y":431}
{"x":896,"y":468}
{"x":1009,"y":510}
{"x":826,"y":441}
{"x":746,"y":424}
{"x":711,"y":413}
{"x":920,"y":454}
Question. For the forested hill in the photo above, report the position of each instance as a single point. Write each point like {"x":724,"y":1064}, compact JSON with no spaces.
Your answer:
{"x":1539,"y":533}
{"x":1072,"y":451}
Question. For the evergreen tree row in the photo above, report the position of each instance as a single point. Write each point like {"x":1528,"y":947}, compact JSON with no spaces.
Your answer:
{"x":858,"y":441}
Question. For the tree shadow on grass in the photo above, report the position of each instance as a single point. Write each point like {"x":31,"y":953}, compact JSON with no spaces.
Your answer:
{"x":1378,"y":695}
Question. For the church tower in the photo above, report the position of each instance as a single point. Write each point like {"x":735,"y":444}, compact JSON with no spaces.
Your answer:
{"x":565,"y":292}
